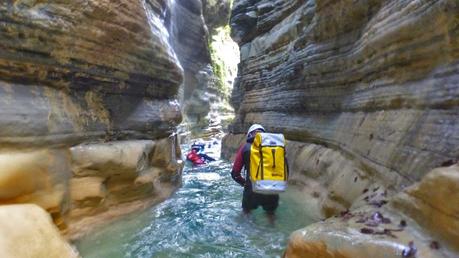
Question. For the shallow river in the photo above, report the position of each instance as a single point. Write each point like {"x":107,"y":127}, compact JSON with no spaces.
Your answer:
{"x":202,"y":219}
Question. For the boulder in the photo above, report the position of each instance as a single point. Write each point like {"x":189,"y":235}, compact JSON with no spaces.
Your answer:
{"x":362,"y":233}
{"x":27,"y":231}
{"x":434,"y":204}
{"x":38,"y":177}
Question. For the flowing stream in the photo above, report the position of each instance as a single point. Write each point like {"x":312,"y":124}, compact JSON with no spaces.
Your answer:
{"x":202,"y":219}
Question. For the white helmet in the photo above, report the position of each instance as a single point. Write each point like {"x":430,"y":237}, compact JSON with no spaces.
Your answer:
{"x":255,"y":127}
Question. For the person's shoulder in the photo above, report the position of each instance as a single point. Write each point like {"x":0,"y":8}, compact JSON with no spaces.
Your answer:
{"x":246,"y":146}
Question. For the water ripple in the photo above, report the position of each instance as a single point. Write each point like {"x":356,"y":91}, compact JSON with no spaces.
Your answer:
{"x":202,"y":219}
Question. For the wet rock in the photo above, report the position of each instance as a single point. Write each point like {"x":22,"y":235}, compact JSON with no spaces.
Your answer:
{"x":377,"y":217}
{"x":386,"y":221}
{"x":448,"y":163}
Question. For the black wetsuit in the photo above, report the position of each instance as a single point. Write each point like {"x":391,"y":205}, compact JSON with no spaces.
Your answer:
{"x":250,"y":199}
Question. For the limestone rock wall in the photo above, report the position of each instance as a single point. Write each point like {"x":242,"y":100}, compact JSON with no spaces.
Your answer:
{"x":91,"y":183}
{"x":216,"y":13}
{"x":189,"y":37}
{"x":377,"y":80}
{"x":367,"y":93}
{"x":73,"y":71}
{"x":190,"y":22}
{"x":88,"y":107}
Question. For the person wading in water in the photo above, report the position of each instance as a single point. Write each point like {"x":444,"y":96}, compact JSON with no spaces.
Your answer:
{"x":250,"y":199}
{"x":197,"y":157}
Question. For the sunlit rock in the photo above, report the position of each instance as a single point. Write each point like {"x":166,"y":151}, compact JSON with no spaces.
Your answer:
{"x":115,"y":159}
{"x":108,"y":174}
{"x":87,"y":189}
{"x":434,"y":204}
{"x":34,"y":177}
{"x":28,"y":231}
{"x":362,"y":233}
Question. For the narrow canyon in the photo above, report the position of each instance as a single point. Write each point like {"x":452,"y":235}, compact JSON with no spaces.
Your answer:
{"x":100,"y":100}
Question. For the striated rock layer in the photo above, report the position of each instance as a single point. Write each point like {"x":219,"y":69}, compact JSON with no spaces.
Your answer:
{"x":73,"y":71}
{"x":367,"y":92}
{"x":88,"y":108}
{"x":190,"y":22}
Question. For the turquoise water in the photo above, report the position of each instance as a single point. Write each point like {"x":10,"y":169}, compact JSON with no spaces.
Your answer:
{"x":202,"y":219}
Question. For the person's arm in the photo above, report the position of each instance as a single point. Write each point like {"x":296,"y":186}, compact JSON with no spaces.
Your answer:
{"x":206,"y":157}
{"x":189,"y":156}
{"x":237,"y":167}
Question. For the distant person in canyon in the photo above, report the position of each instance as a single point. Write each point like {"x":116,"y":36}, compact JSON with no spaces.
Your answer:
{"x":197,"y":155}
{"x":250,"y":199}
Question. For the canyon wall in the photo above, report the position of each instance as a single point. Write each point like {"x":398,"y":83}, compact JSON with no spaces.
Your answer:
{"x":88,"y":108}
{"x":192,"y":24}
{"x":367,"y":93}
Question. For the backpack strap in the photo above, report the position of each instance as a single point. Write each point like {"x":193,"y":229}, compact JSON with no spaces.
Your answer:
{"x":286,"y":169}
{"x":261,"y":162}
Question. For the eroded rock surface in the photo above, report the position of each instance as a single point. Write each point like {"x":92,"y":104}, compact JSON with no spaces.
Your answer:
{"x":77,"y":70}
{"x":191,"y":22}
{"x":421,"y":221}
{"x":28,"y":231}
{"x":377,"y":80}
{"x":434,"y":204}
{"x":88,"y":104}
{"x":366,"y":91}
{"x":90,"y":180}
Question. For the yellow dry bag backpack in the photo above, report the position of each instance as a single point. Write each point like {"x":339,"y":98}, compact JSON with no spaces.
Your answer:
{"x":268,"y":166}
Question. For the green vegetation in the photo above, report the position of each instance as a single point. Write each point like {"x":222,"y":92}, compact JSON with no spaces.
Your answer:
{"x":225,"y":57}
